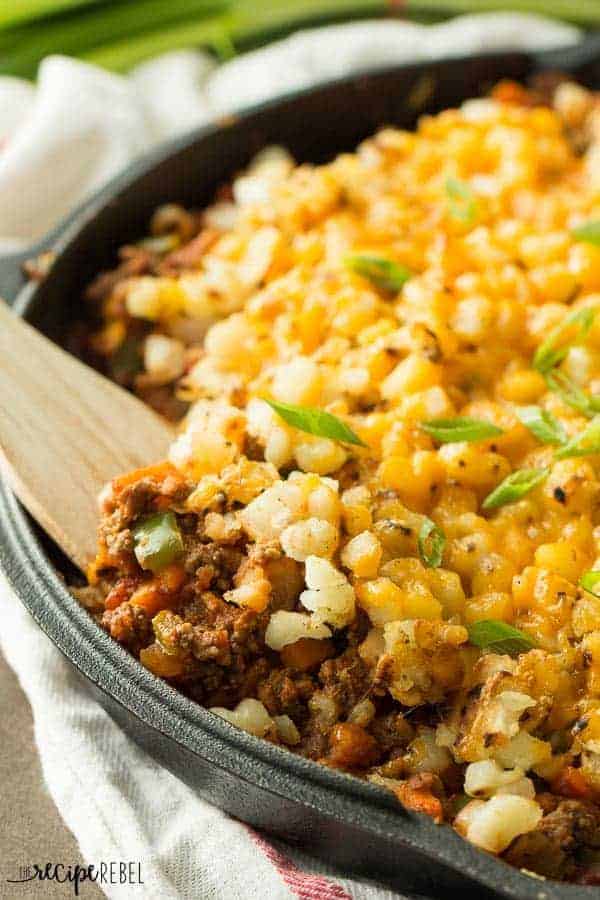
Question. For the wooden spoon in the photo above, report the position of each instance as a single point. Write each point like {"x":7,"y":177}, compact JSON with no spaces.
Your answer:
{"x":65,"y":430}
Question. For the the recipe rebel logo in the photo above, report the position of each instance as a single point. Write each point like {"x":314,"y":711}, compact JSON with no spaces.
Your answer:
{"x":114,"y":872}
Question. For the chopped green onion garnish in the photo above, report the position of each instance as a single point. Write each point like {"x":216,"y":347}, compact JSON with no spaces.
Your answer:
{"x":514,"y":487}
{"x":572,"y":329}
{"x":158,"y":541}
{"x":383,"y":273}
{"x":590,"y":581}
{"x":586,"y":443}
{"x":431,"y":543}
{"x":588,"y":232}
{"x":316,"y":421}
{"x":491,"y":634}
{"x":542,"y":424}
{"x":462,"y":428}
{"x":462,"y":203}
{"x":571,"y":394}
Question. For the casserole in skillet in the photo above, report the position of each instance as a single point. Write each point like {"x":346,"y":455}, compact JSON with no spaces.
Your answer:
{"x":449,"y":189}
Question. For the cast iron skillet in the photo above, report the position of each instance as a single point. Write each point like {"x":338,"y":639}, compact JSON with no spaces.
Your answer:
{"x":356,"y":825}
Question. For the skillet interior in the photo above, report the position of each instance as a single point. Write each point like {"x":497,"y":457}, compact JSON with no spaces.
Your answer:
{"x":354,"y":824}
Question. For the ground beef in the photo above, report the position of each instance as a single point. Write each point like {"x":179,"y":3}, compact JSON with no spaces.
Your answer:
{"x":129,"y":625}
{"x":140,"y":498}
{"x":119,"y":541}
{"x":218,"y":686}
{"x":287,"y":581}
{"x":392,"y":732}
{"x":213,"y":566}
{"x":190,"y":255}
{"x":130,"y":504}
{"x":285,"y":692}
{"x":236,"y":632}
{"x":552,"y":849}
{"x":341,"y":683}
{"x":346,"y":680}
{"x":136,"y":500}
{"x":213,"y":644}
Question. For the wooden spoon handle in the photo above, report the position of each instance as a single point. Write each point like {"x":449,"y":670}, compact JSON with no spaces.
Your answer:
{"x":65,"y":430}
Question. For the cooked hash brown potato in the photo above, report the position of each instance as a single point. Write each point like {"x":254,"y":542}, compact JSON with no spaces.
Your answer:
{"x":376,"y":540}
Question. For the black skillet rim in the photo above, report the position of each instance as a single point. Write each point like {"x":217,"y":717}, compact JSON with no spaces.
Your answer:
{"x":118,"y":675}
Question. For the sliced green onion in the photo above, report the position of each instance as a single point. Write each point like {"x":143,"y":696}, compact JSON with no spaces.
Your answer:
{"x":492,"y":634}
{"x":542,"y":424}
{"x":586,"y":443}
{"x":556,"y":346}
{"x":514,"y":487}
{"x":431,"y":542}
{"x":316,"y":421}
{"x":571,"y":394}
{"x":588,"y":232}
{"x":385,"y":274}
{"x":462,"y":428}
{"x":462,"y":203}
{"x":158,"y":541}
{"x":590,"y":581}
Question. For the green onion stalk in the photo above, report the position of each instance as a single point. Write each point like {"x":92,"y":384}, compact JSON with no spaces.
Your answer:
{"x":14,"y":13}
{"x":242,"y":25}
{"x":105,"y":25}
{"x":118,"y":35}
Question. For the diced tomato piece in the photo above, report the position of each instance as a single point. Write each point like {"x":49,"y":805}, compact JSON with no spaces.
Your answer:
{"x":571,"y":783}
{"x":306,"y":653}
{"x":160,"y":663}
{"x":507,"y":91}
{"x":160,"y":592}
{"x":420,"y":801}
{"x":122,"y":591}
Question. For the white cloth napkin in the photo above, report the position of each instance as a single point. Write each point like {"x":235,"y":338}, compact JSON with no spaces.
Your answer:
{"x":63,"y":139}
{"x":123,"y":806}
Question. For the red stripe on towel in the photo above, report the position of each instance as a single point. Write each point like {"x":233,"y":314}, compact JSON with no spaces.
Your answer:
{"x":305,"y":886}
